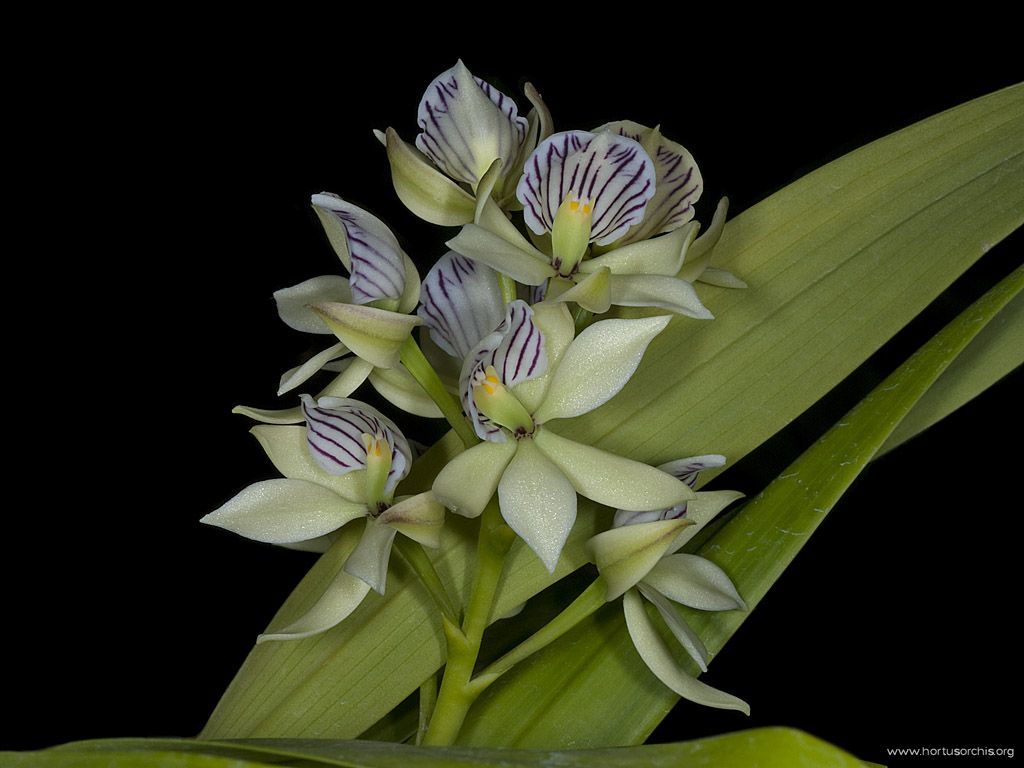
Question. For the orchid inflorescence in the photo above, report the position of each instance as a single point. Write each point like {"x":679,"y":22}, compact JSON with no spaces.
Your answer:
{"x":555,"y":230}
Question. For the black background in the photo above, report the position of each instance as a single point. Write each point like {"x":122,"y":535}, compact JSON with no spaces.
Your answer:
{"x":172,"y":193}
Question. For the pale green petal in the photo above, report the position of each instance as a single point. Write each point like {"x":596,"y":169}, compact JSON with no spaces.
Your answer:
{"x":468,"y":481}
{"x":696,"y":582}
{"x":612,"y":480}
{"x":342,"y":596}
{"x":555,"y":323}
{"x":597,"y":365}
{"x":302,"y":373}
{"x":376,"y":335}
{"x":320,"y":544}
{"x":660,"y":256}
{"x":721,"y":277}
{"x":701,"y":510}
{"x":352,"y":371}
{"x":286,"y":447}
{"x":537,"y":502}
{"x":369,"y":560}
{"x":593,"y":293}
{"x":426,"y":191}
{"x":485,"y":187}
{"x":698,"y":257}
{"x":411,"y":291}
{"x":626,"y":555}
{"x":294,"y":303}
{"x":283,"y":416}
{"x":686,"y":637}
{"x":399,"y":387}
{"x":528,"y":267}
{"x":659,"y":660}
{"x":419,"y":517}
{"x":658,"y":291}
{"x":284,"y":511}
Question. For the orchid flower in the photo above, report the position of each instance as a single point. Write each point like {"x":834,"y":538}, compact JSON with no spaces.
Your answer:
{"x":639,"y":559}
{"x":471,"y":146}
{"x":369,"y":313}
{"x":582,"y":190}
{"x":344,"y":465}
{"x":526,"y":374}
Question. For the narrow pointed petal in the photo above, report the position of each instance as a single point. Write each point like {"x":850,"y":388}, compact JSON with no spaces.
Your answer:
{"x":539,"y":127}
{"x":659,"y":660}
{"x":334,"y":430}
{"x":530,"y":267}
{"x":688,"y":470}
{"x":466,"y":124}
{"x":288,"y":451}
{"x":352,"y":371}
{"x":366,"y":247}
{"x":721,"y":278}
{"x":420,"y":517}
{"x":399,"y":388}
{"x":486,"y":187}
{"x":423,"y":189}
{"x":283,"y":416}
{"x":609,"y":479}
{"x":697,"y":582}
{"x":517,"y":351}
{"x":374,"y":334}
{"x":284,"y":511}
{"x":686,"y":637}
{"x":699,"y":255}
{"x":593,"y":292}
{"x":411,"y":292}
{"x":302,"y":373}
{"x":369,"y":560}
{"x":537,"y":502}
{"x":660,"y":256}
{"x":557,"y":328}
{"x":460,"y":303}
{"x":702,"y":509}
{"x":624,"y":556}
{"x":658,"y":291}
{"x":679,"y":182}
{"x":294,"y":304}
{"x":468,"y":481}
{"x":319,"y":545}
{"x":611,"y":172}
{"x":342,"y":596}
{"x":597,"y":365}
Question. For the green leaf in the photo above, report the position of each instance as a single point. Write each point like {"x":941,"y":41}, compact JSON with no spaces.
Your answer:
{"x":765,"y":748}
{"x":593,"y":678}
{"x":837,"y":263}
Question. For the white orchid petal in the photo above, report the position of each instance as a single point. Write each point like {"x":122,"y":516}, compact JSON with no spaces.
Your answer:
{"x":612,"y":172}
{"x":294,"y":304}
{"x":609,"y":479}
{"x":302,"y":373}
{"x":399,"y":388}
{"x":468,"y":481}
{"x":369,"y":560}
{"x":352,"y":371}
{"x":411,"y":292}
{"x":624,"y":556}
{"x":466,"y":124}
{"x":686,"y":637}
{"x":537,"y":502}
{"x":721,"y":278}
{"x":530,"y":267}
{"x":376,"y":335}
{"x":461,"y":303}
{"x":658,"y":291}
{"x":366,"y":247}
{"x":286,"y":448}
{"x":283,"y":416}
{"x":659,"y":660}
{"x":696,"y":582}
{"x":334,"y":430}
{"x":320,"y":544}
{"x":423,"y":189}
{"x":517,"y":351}
{"x":420,"y":517}
{"x":660,"y":256}
{"x":539,"y":127}
{"x":284,"y":511}
{"x":593,"y":292}
{"x":342,"y":596}
{"x":688,"y":470}
{"x":597,"y":365}
{"x":556,"y":325}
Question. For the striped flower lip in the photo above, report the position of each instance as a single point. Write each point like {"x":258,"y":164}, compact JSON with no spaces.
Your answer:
{"x":334,"y":433}
{"x":466,"y":124}
{"x":609,"y":175}
{"x":687,"y":470}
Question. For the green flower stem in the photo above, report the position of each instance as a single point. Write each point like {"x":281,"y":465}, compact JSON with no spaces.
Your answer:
{"x":457,"y":692}
{"x":508,"y":288}
{"x":592,"y":598}
{"x":428,"y":699}
{"x":419,"y":561}
{"x":424,"y":373}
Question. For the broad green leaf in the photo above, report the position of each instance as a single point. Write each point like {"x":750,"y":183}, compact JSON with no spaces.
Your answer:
{"x":764,"y":747}
{"x":837,"y":263}
{"x":593,"y":677}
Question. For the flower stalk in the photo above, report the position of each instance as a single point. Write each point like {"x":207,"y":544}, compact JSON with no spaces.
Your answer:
{"x":417,"y":364}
